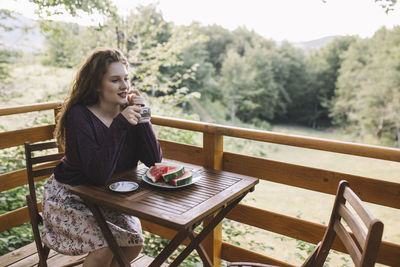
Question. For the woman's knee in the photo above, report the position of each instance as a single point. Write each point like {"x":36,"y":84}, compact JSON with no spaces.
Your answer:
{"x":100,"y":257}
{"x":132,"y":252}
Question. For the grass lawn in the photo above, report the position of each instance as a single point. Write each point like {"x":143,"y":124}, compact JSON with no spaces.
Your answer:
{"x":30,"y":84}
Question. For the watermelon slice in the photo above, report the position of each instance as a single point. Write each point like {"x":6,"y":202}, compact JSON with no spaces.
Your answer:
{"x":173,"y":172}
{"x":155,"y":172}
{"x":185,"y":178}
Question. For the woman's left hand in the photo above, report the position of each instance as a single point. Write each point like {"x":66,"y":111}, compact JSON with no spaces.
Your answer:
{"x":134,"y":98}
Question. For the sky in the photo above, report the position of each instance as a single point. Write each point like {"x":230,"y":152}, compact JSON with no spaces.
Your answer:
{"x":291,"y":20}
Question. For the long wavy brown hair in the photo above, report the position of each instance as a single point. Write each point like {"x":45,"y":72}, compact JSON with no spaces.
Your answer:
{"x":84,"y":89}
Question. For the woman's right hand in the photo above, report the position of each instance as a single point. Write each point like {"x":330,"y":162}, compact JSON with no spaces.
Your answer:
{"x":134,"y":98}
{"x":132,"y":114}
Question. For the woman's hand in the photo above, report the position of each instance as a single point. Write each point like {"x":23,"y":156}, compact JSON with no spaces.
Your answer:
{"x":134,"y":98}
{"x":132,"y":114}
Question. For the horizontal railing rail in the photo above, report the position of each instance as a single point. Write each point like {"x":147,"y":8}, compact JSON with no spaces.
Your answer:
{"x":211,"y":154}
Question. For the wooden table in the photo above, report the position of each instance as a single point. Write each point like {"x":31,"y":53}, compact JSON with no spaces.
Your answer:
{"x":181,"y":209}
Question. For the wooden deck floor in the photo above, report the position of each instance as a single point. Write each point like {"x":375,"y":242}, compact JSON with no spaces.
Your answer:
{"x":27,"y":257}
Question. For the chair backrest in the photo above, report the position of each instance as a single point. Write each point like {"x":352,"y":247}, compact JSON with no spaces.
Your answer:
{"x":40,"y":166}
{"x":362,"y":245}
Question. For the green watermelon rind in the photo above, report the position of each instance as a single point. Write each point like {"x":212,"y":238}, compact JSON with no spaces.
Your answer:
{"x":150,"y":177}
{"x":183,"y":179}
{"x":172,"y":175}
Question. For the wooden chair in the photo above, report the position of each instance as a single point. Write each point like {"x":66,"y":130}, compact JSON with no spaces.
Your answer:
{"x":363,"y":249}
{"x":44,"y":166}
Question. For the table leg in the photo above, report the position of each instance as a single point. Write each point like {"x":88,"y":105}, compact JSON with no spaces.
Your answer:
{"x":206,"y":230}
{"x":172,"y":245}
{"x":120,"y":257}
{"x":200,"y":250}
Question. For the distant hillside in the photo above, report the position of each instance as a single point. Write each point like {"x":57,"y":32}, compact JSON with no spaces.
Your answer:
{"x":25,"y":34}
{"x":315,"y":44}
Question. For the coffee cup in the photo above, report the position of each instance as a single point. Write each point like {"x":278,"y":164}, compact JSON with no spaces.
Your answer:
{"x":145,"y":114}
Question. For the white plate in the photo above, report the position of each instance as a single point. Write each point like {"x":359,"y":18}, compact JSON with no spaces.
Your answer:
{"x":195,"y":178}
{"x":123,"y":186}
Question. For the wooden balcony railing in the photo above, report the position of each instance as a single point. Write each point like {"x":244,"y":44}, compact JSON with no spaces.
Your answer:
{"x":212,"y":154}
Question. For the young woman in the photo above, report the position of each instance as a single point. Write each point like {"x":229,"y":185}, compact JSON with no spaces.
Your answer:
{"x":98,"y":126}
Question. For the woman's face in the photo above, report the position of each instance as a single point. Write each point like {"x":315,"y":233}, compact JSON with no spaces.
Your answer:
{"x":114,"y":85}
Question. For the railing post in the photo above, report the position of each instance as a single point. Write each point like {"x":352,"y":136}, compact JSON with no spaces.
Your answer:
{"x":213,"y":158}
{"x":213,"y":150}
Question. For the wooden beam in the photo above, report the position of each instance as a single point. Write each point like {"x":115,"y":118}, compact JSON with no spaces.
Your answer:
{"x":234,"y":253}
{"x":19,"y":137}
{"x":17,"y":178}
{"x":13,"y":179}
{"x":363,"y":150}
{"x":15,"y":218}
{"x":370,"y":151}
{"x":28,"y":108}
{"x":181,"y":152}
{"x":368,"y":189}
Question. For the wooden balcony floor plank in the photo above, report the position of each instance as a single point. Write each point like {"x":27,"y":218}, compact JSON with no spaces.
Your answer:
{"x":18,"y":254}
{"x":27,"y":257}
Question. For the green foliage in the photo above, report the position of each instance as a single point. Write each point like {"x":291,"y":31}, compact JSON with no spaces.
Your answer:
{"x":12,"y":159}
{"x":235,"y":79}
{"x":216,"y":45}
{"x":7,"y":58}
{"x":367,"y":98}
{"x":3,"y":65}
{"x":233,"y":233}
{"x":73,"y":7}
{"x":153,"y":244}
{"x":15,"y":237}
{"x":387,"y":5}
{"x":62,"y":40}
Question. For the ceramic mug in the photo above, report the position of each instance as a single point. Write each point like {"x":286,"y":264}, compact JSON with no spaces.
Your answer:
{"x":146,"y":115}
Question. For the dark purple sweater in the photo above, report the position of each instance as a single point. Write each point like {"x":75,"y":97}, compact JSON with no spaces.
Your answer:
{"x":93,"y":152}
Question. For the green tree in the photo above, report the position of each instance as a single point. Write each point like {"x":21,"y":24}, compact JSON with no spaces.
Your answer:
{"x":324,"y":65}
{"x":47,"y":8}
{"x":219,"y":39}
{"x":235,"y":81}
{"x":291,"y":74}
{"x":345,"y":104}
{"x":261,"y":98}
{"x":367,"y":95}
{"x":195,"y":56}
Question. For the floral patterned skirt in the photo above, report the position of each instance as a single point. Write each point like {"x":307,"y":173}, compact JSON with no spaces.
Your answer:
{"x":70,"y":228}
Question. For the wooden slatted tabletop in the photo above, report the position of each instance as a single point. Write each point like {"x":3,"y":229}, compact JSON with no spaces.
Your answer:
{"x":176,"y":208}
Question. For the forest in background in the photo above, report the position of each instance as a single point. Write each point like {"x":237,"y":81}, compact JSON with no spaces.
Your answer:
{"x":234,"y":77}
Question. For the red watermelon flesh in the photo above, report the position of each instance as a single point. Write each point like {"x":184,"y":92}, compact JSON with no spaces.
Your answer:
{"x":185,"y":178}
{"x":155,"y":172}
